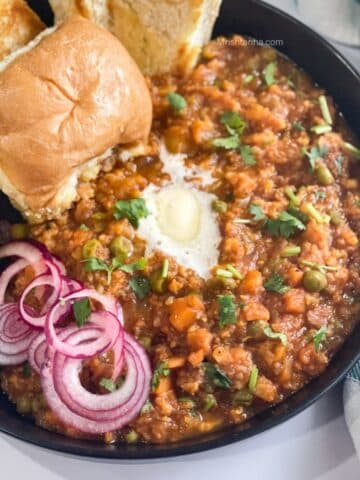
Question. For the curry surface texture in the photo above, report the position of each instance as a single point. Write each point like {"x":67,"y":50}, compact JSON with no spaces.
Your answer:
{"x":225,"y":348}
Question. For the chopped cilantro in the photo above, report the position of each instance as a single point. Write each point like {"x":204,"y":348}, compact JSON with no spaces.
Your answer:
{"x":83,"y":227}
{"x":92,"y":264}
{"x":298,"y":127}
{"x":82,"y":310}
{"x":352,"y":150}
{"x":269,"y":73}
{"x":275,"y":335}
{"x":215,"y":376}
{"x":133,"y":210}
{"x":257,"y":212}
{"x":276,"y":283}
{"x":319,"y":151}
{"x":227,"y":310}
{"x":161,"y":370}
{"x":247,"y":155}
{"x":108,"y":384}
{"x":176,"y":101}
{"x":139,"y":264}
{"x":248,"y":79}
{"x":140,"y":286}
{"x":228,"y":143}
{"x":319,"y":266}
{"x":319,"y":337}
{"x":285,"y":225}
{"x":295,"y":212}
{"x":26,"y":370}
{"x":233,"y":123}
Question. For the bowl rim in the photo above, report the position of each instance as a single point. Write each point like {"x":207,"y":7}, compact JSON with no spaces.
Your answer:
{"x":223,"y":437}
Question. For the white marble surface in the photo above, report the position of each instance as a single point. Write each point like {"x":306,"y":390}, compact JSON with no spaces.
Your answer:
{"x":313,"y":446}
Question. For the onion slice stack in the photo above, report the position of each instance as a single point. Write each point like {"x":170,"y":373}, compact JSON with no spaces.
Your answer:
{"x":56,"y":352}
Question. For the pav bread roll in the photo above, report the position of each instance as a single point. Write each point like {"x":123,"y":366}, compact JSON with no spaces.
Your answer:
{"x":18,"y":25}
{"x":65,"y":100}
{"x":161,"y":35}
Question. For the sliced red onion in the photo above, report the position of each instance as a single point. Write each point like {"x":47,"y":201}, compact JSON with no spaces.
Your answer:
{"x":54,"y":280}
{"x":88,"y":412}
{"x":8,"y":274}
{"x":37,"y":352}
{"x":15,"y":335}
{"x":106,"y":320}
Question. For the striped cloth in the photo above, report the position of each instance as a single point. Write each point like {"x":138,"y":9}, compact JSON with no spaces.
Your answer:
{"x":352,"y":405}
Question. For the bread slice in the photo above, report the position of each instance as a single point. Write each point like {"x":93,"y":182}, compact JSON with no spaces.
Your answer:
{"x":18,"y":25}
{"x":161,"y":35}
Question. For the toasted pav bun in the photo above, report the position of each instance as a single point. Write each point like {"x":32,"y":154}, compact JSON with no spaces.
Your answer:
{"x":161,"y":35}
{"x":65,"y":101}
{"x":18,"y":25}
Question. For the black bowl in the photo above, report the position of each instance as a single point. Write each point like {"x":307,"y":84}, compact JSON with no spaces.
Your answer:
{"x":332,"y":71}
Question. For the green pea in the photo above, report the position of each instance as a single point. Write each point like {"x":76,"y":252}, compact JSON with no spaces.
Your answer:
{"x":132,"y":436}
{"x":91,"y":248}
{"x":19,"y":231}
{"x":23,"y":405}
{"x":242,"y":397}
{"x":219,"y":206}
{"x":255,"y":329}
{"x":121,"y":247}
{"x":324,"y":176}
{"x":314,"y":281}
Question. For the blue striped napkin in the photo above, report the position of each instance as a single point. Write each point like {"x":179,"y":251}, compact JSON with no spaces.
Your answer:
{"x":352,"y":405}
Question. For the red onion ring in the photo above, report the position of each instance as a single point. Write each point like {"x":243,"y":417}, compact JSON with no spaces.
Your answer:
{"x":106,"y":320}
{"x":37,"y":352}
{"x":15,"y":335}
{"x":88,"y":412}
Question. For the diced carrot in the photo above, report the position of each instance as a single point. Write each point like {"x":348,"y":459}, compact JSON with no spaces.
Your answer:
{"x":196,"y":358}
{"x":199,"y":339}
{"x":252,"y":283}
{"x":175,"y":362}
{"x":243,"y":184}
{"x":185,"y":311}
{"x":256,"y":311}
{"x":294,"y":301}
{"x":294,"y":276}
{"x":349,"y":236}
{"x":164,"y":385}
{"x":317,"y":233}
{"x":265,"y":389}
{"x":222,"y":355}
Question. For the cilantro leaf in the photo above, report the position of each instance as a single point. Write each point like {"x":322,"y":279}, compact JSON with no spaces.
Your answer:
{"x":275,"y":335}
{"x":233,"y":123}
{"x":295,"y":212}
{"x":247,"y":155}
{"x":140,"y":286}
{"x":227,"y":310}
{"x":82,"y":310}
{"x":257,"y":212}
{"x":134,"y":266}
{"x":148,"y":406}
{"x":319,"y":337}
{"x":229,"y":143}
{"x":285,"y":225}
{"x":26,"y":370}
{"x":320,"y":195}
{"x":94,"y":263}
{"x":161,"y":370}
{"x":215,"y":376}
{"x":108,"y":384}
{"x":276,"y":283}
{"x":298,"y":127}
{"x":133,"y":210}
{"x":269,"y":73}
{"x":176,"y":101}
{"x":319,"y":151}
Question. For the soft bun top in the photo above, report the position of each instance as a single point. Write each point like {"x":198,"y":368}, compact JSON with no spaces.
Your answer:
{"x":70,"y":98}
